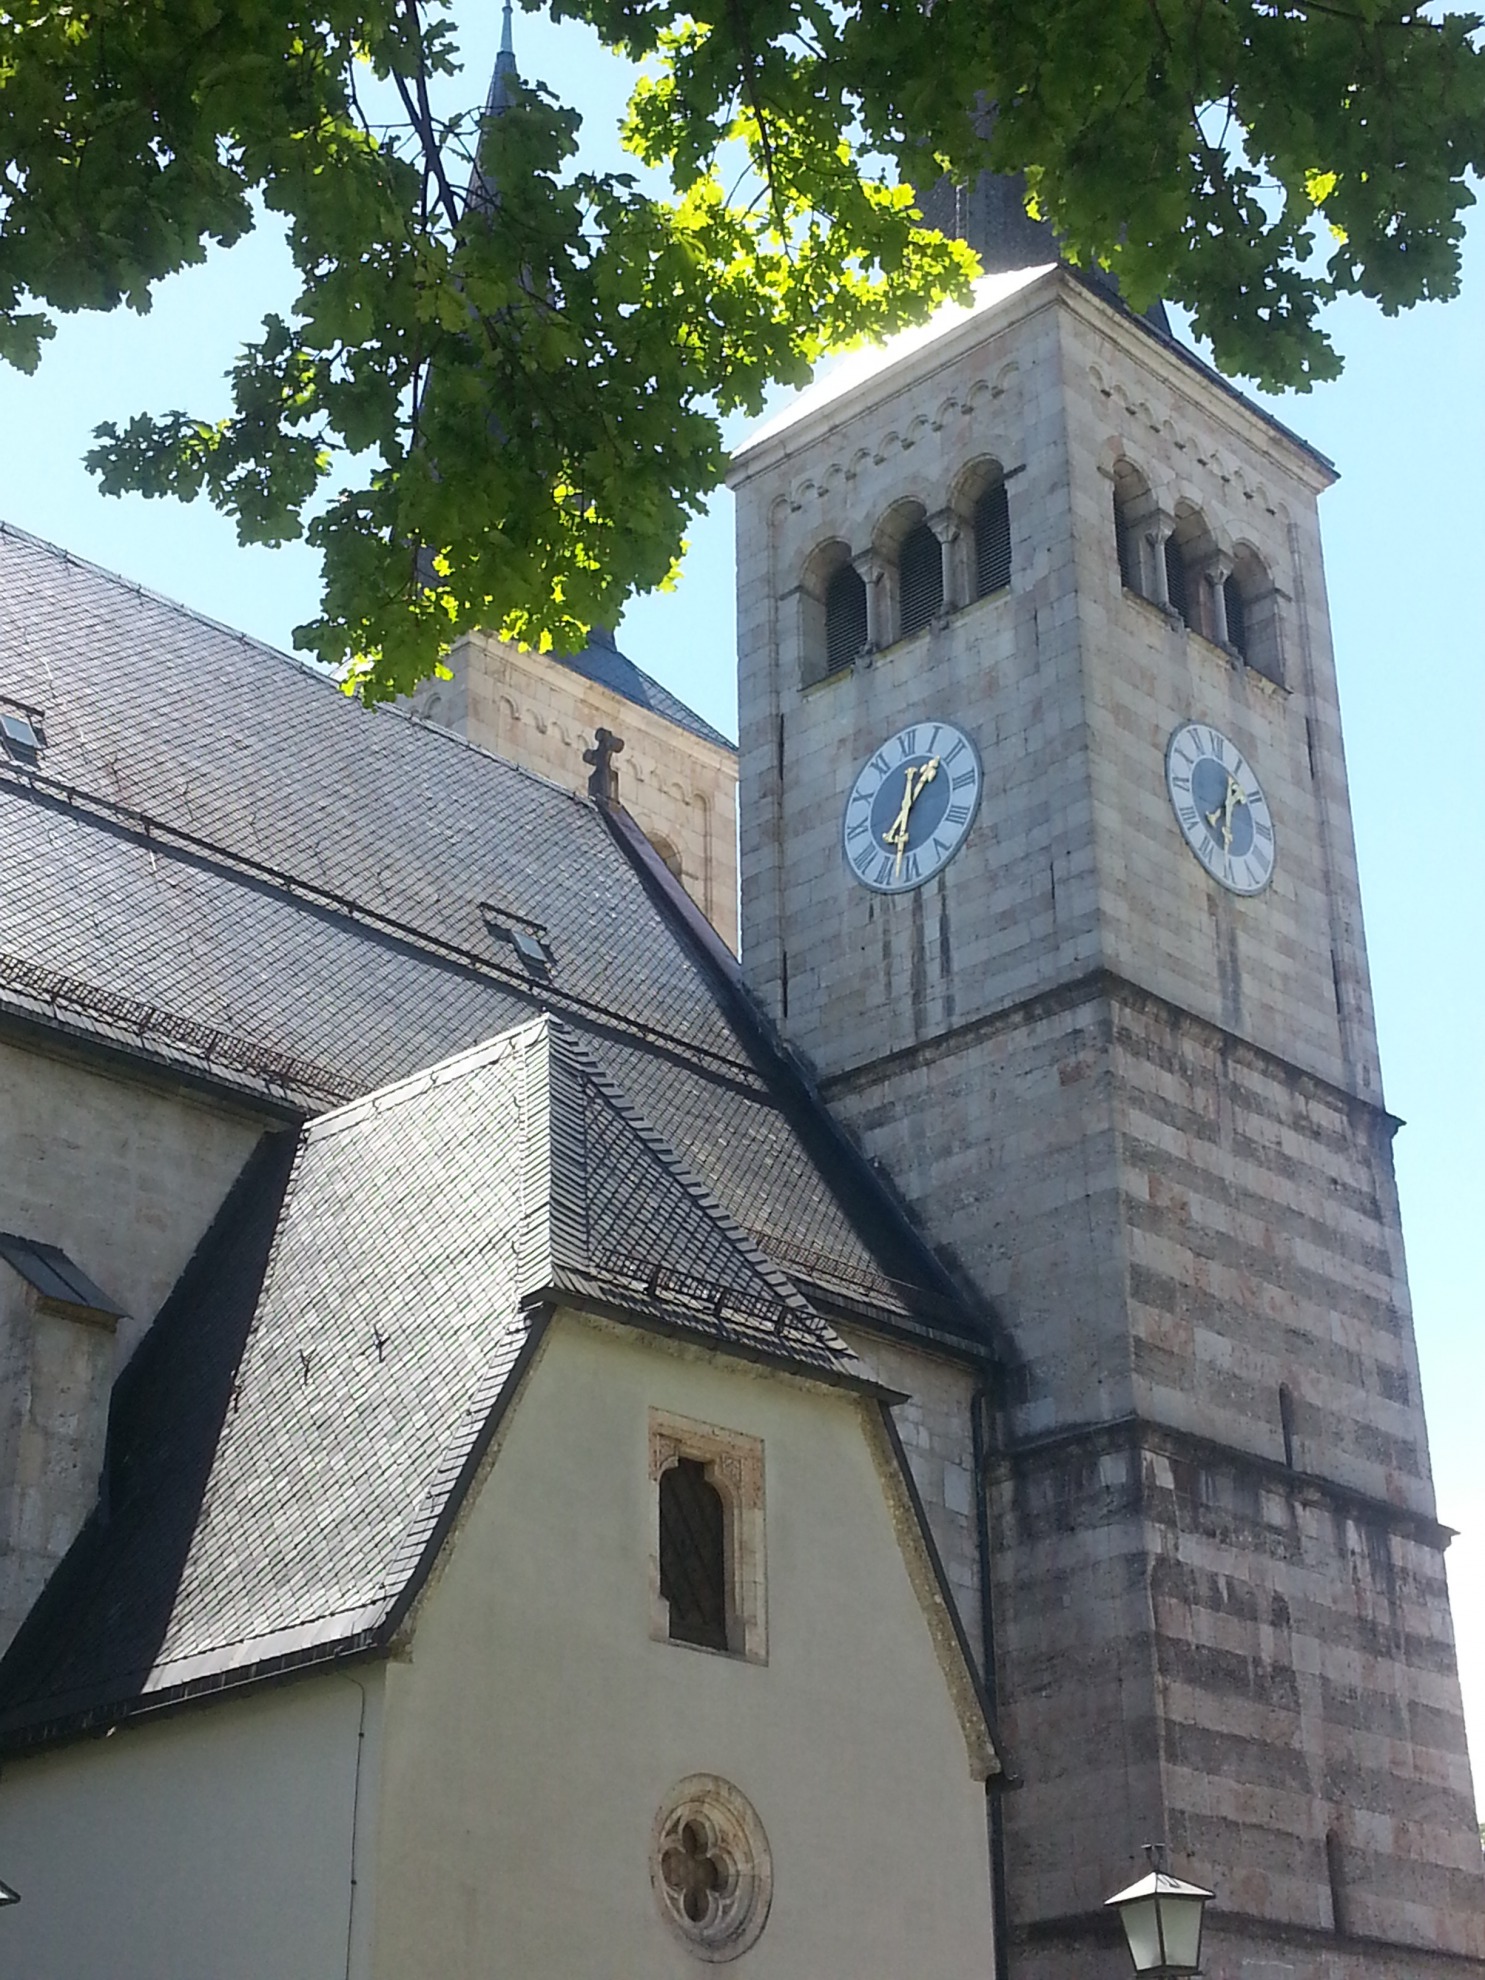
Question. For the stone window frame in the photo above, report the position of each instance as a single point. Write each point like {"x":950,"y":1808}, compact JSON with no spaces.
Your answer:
{"x":707,"y":1816}
{"x":827,"y":562}
{"x":985,"y":476}
{"x":733,"y":1466}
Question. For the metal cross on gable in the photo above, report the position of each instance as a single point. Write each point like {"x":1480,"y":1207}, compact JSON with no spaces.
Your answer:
{"x":604,"y":782}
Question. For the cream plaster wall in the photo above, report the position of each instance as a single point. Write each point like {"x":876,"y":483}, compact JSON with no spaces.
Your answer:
{"x":535,"y":1727}
{"x":123,"y":1174}
{"x":532,"y":710}
{"x":215,"y":1845}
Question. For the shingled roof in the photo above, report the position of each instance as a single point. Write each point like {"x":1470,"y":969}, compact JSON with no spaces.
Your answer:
{"x":601,"y":662}
{"x":233,"y":871}
{"x":293,"y":1441}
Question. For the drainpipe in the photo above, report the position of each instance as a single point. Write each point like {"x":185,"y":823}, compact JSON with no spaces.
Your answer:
{"x":995,"y":1787}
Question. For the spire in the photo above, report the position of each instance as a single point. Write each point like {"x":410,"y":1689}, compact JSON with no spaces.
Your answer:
{"x":505,"y":85}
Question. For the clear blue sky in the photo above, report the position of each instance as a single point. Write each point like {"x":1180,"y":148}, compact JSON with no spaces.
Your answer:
{"x":1406,"y":565}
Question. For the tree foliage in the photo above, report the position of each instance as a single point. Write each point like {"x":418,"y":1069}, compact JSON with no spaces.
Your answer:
{"x":518,"y":398}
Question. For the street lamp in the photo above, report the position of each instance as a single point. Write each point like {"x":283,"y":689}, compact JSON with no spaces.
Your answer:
{"x":1162,"y":1920}
{"x":8,"y":1896}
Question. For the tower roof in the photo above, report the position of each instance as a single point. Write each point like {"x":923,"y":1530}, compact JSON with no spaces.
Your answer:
{"x":505,"y":83}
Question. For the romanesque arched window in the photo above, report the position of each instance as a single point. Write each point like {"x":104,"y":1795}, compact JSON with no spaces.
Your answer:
{"x":920,"y":579}
{"x":833,"y":620}
{"x":992,"y":538}
{"x":1189,"y":551}
{"x":1133,"y":506}
{"x":1252,"y":612}
{"x":845,"y":618}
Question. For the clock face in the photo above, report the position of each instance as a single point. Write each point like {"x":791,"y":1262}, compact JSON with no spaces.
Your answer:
{"x":911,"y":806}
{"x":1220,"y":808}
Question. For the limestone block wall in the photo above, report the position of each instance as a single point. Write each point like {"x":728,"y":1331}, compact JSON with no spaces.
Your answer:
{"x":532,"y":710}
{"x":851,"y":975}
{"x":56,"y":1373}
{"x":1286,"y":968}
{"x":1145,"y":1118}
{"x":124,"y":1173}
{"x":936,"y":1431}
{"x":1247,"y":1665}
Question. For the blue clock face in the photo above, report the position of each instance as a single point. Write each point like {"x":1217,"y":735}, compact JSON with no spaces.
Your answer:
{"x":911,"y":806}
{"x":1220,"y":808}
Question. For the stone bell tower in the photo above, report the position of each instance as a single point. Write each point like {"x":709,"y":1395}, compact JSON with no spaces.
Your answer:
{"x":1111,"y":1034}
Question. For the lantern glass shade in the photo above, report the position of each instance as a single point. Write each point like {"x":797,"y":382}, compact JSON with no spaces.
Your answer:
{"x":8,"y":1896}
{"x":1162,"y":1920}
{"x":1142,"y":1930}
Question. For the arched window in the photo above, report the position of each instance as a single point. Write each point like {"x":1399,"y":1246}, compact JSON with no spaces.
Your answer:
{"x":1253,"y":615}
{"x":992,"y":532}
{"x":920,"y":579}
{"x":1189,"y":550}
{"x":1236,"y":614}
{"x":1178,"y":588}
{"x":1133,"y":506}
{"x":845,"y":618}
{"x":667,"y":853}
{"x":693,"y":1555}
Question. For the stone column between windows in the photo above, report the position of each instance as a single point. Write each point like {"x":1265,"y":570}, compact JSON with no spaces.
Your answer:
{"x":1217,"y":572}
{"x":870,"y":568}
{"x":948,"y":527}
{"x":1158,"y":528}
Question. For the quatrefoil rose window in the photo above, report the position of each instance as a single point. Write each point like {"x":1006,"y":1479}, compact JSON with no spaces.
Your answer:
{"x":710,"y":1867}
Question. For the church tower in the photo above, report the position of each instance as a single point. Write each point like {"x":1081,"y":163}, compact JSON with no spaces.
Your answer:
{"x":1047,"y":869}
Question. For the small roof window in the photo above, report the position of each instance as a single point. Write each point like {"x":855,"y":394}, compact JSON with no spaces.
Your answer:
{"x":528,"y":938}
{"x":21,"y":732}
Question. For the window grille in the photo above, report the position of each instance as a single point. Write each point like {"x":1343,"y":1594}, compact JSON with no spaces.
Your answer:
{"x":1126,"y":544}
{"x":693,"y":1563}
{"x":920,"y":576}
{"x":1177,"y":588}
{"x":845,"y":618}
{"x":992,"y":541}
{"x":1237,"y":615}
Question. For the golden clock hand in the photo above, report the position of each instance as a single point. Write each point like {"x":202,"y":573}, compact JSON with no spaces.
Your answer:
{"x":915,"y":783}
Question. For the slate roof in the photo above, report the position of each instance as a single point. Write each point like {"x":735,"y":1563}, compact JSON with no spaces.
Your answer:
{"x":218,"y":863}
{"x":601,"y":661}
{"x":52,"y":1273}
{"x":290,"y":1447}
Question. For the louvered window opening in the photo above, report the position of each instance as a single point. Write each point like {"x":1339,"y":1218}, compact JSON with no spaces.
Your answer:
{"x":693,"y":1559}
{"x":920,"y":576}
{"x":845,"y":618}
{"x":1128,"y":548}
{"x":1177,"y":581}
{"x":992,"y":541}
{"x":1237,"y":615}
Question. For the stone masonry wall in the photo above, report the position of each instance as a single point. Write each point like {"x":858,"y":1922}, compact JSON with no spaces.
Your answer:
{"x":1145,"y":1118}
{"x":123,"y":1174}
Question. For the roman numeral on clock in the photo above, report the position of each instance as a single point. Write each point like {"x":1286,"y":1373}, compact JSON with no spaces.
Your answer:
{"x":957,"y":814}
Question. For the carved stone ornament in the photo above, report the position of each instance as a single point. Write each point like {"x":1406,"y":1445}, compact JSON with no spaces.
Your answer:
{"x":710,"y":1868}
